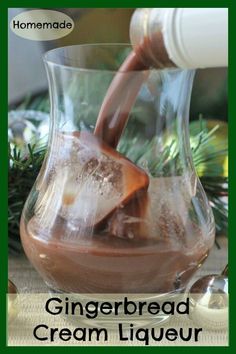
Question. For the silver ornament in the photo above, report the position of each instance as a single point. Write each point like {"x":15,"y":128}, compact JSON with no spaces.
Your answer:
{"x":27,"y":127}
{"x":209,"y":301}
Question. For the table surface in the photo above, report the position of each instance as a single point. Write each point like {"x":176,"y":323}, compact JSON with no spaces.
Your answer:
{"x":27,"y":280}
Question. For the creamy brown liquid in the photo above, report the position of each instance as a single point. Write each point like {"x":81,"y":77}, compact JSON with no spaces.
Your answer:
{"x":146,"y":246}
{"x":156,"y":261}
{"x":139,"y":245}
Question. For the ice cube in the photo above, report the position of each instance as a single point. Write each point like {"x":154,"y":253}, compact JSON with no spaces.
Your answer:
{"x":89,"y":181}
{"x":161,"y":213}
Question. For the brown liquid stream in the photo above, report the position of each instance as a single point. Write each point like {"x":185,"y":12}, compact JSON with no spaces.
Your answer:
{"x":120,"y":99}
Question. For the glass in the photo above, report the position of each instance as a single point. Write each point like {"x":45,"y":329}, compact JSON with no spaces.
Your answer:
{"x":120,"y":210}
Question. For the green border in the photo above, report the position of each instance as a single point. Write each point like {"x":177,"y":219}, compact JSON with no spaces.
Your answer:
{"x":4,"y":5}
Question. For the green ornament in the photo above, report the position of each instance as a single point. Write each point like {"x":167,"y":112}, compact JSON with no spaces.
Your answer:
{"x":212,"y":157}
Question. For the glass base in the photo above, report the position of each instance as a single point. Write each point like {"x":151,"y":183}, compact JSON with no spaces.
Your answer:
{"x":112,"y":320}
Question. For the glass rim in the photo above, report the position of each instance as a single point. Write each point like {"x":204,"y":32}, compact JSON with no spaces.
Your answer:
{"x":54,"y":63}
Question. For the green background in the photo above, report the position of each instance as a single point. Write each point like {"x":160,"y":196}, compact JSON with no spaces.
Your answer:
{"x":4,"y":5}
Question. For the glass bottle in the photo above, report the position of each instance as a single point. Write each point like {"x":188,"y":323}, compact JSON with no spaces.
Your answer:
{"x":121,"y":215}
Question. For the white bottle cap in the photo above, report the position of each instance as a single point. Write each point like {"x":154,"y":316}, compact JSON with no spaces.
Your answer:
{"x":196,"y":37}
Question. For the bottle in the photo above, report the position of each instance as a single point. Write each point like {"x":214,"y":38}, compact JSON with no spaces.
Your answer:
{"x":181,"y":37}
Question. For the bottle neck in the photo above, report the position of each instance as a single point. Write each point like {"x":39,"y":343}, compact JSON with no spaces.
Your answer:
{"x":147,"y":38}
